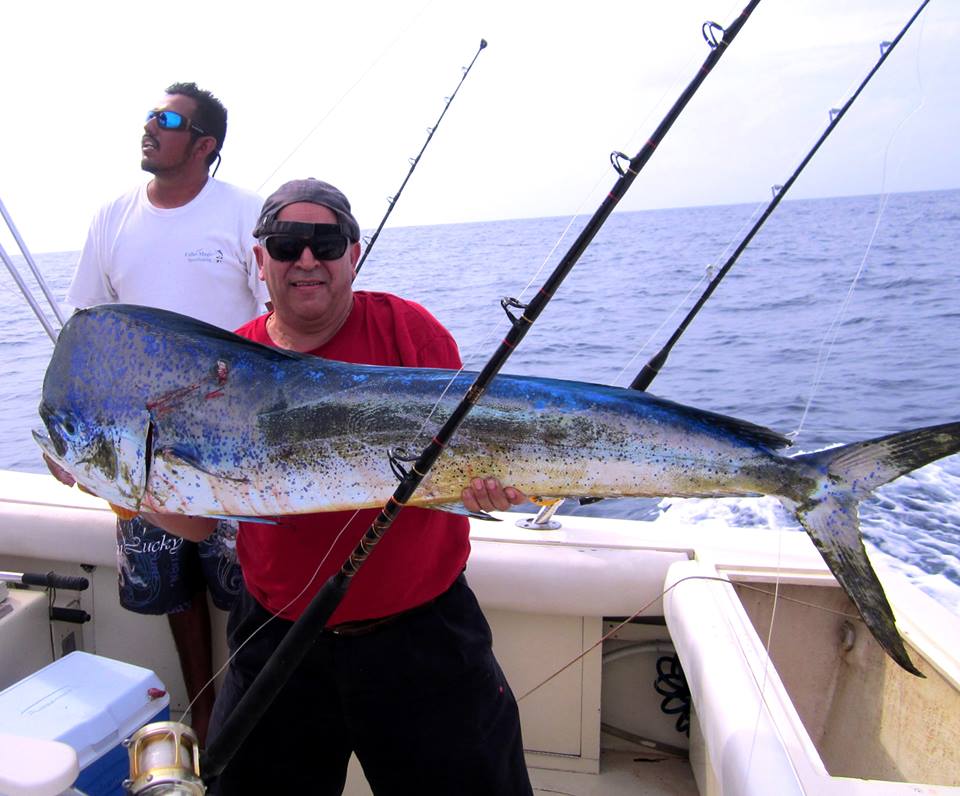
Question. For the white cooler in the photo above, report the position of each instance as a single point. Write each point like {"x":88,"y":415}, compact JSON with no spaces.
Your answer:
{"x":90,"y":703}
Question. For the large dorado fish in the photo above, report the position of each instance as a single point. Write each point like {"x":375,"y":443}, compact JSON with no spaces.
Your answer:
{"x":156,"y":411}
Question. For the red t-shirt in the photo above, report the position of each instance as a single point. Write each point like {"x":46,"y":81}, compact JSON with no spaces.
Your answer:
{"x":424,"y":550}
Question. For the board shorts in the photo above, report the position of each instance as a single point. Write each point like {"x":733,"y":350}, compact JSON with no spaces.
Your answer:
{"x":159,"y":573}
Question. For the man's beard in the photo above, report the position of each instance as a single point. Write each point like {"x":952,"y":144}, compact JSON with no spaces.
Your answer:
{"x":154,"y":168}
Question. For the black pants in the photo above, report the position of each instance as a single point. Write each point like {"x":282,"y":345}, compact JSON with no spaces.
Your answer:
{"x":421,"y":701}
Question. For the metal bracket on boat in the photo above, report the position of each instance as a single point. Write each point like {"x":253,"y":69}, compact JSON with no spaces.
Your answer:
{"x":544,"y":520}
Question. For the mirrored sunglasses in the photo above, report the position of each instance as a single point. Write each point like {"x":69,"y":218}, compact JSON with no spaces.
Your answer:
{"x":171,"y":120}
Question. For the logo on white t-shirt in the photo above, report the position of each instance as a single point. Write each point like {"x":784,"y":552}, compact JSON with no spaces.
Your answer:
{"x":204,"y":256}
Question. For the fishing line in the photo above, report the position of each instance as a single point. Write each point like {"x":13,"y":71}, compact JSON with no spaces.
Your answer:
{"x":768,"y":643}
{"x":392,"y":200}
{"x":345,"y":94}
{"x":275,"y":614}
{"x":603,"y":175}
{"x":671,"y":90}
{"x":492,"y":332}
{"x":707,"y":274}
{"x":833,"y":330}
{"x":652,"y":368}
{"x":657,"y":362}
{"x":297,"y":641}
{"x":719,"y":579}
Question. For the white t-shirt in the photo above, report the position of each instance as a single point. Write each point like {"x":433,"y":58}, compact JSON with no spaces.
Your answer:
{"x":196,"y":260}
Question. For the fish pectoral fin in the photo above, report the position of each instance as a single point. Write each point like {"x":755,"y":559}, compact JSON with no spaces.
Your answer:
{"x":459,"y":508}
{"x":833,"y":526}
{"x":192,"y":459}
{"x":121,"y":512}
{"x":544,"y":502}
{"x":236,"y":518}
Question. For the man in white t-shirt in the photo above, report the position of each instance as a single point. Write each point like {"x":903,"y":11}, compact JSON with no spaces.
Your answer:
{"x":181,"y":242}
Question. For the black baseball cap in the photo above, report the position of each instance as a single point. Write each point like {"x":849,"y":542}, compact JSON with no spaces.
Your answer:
{"x":310,"y":190}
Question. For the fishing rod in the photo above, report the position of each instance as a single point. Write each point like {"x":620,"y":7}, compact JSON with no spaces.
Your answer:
{"x":392,"y":200}
{"x":295,"y":644}
{"x":649,"y":371}
{"x":8,"y":261}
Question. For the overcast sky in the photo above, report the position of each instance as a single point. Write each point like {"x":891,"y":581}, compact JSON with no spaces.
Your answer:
{"x":346,"y":92}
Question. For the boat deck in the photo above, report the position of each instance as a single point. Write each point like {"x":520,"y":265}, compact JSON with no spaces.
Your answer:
{"x":620,"y":773}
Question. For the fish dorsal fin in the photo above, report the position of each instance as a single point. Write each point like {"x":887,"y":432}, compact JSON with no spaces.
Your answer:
{"x":761,"y":435}
{"x":191,"y":327}
{"x":750,"y":432}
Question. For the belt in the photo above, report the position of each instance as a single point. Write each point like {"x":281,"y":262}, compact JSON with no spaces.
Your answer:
{"x":363,"y":627}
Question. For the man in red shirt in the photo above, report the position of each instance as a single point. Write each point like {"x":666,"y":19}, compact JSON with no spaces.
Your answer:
{"x":404,"y":674}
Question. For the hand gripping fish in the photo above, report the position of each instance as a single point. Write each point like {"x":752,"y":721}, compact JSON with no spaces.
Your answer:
{"x":156,"y":411}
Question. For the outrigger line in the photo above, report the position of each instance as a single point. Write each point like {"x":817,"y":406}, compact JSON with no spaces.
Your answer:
{"x":392,"y":200}
{"x":649,"y":371}
{"x":655,"y":364}
{"x":294,"y":646}
{"x":37,"y":310}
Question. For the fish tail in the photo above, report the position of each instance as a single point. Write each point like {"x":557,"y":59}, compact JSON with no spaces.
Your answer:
{"x":830,"y":514}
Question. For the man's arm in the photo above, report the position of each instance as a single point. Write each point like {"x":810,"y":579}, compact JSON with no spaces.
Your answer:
{"x":196,"y":529}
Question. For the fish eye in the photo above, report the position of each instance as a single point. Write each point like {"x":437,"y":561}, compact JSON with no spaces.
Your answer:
{"x":68,"y":427}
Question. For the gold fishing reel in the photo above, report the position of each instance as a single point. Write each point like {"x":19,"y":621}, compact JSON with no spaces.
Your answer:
{"x":164,"y":759}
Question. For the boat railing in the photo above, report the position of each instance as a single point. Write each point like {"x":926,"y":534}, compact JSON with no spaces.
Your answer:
{"x":24,"y":288}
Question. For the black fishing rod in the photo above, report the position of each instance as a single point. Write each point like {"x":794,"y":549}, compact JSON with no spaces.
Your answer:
{"x":303,"y":633}
{"x":649,"y":371}
{"x":392,"y":200}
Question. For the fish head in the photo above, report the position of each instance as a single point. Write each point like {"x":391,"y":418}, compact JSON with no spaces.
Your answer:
{"x":107,"y":459}
{"x":96,"y":426}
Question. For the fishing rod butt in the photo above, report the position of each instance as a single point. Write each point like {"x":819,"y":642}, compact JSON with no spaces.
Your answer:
{"x":483,"y":43}
{"x":286,"y":658}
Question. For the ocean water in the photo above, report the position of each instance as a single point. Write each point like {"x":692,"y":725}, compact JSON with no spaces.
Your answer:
{"x":840,"y":322}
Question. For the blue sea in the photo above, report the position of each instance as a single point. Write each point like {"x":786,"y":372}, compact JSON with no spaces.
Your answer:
{"x":840,"y":322}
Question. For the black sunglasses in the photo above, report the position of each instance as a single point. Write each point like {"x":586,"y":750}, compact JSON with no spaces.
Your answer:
{"x":171,"y":120}
{"x":286,"y":242}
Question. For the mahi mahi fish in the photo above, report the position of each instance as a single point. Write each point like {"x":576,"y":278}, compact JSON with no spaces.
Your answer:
{"x":155,"y":411}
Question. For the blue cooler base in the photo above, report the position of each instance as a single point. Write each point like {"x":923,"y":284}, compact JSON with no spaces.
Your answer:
{"x":92,"y":704}
{"x":104,"y":776}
